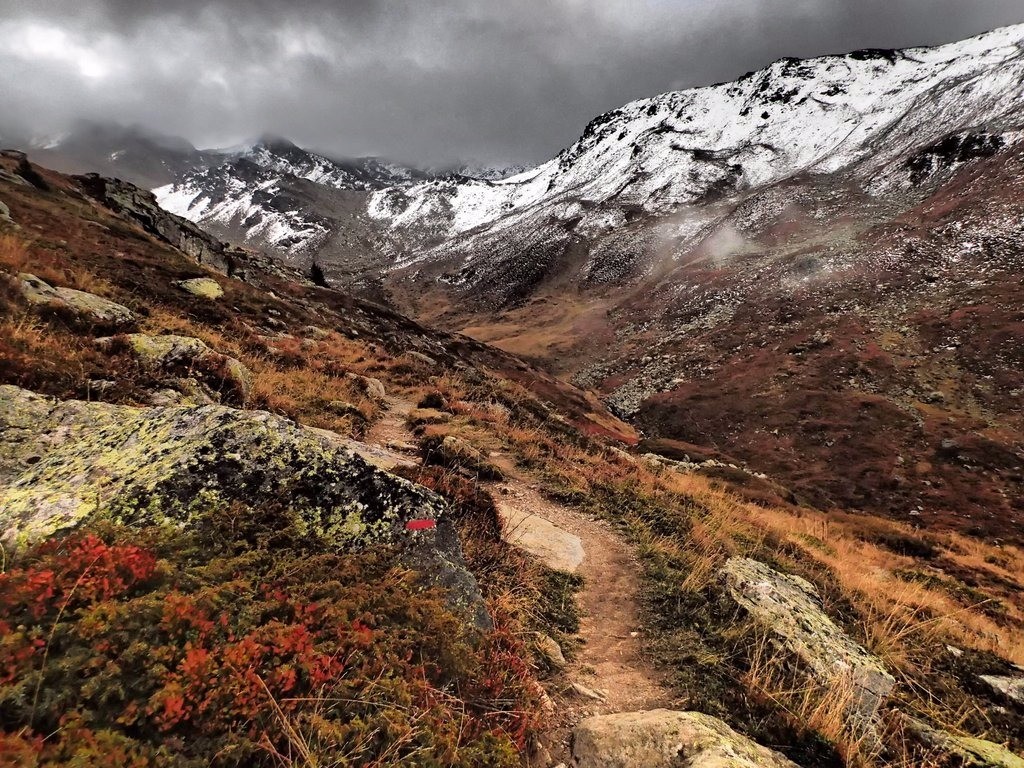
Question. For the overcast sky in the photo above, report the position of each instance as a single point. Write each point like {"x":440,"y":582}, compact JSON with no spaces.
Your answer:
{"x":427,"y":81}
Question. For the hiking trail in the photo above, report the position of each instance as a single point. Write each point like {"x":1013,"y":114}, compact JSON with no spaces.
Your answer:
{"x":610,"y":671}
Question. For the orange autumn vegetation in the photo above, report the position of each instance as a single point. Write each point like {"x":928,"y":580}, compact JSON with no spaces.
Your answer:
{"x":180,"y":650}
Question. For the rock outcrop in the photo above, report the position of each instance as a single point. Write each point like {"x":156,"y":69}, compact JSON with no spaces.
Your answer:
{"x":663,"y":738}
{"x":789,"y":609}
{"x":1010,"y":687}
{"x":371,"y":387}
{"x":140,"y":206}
{"x":61,"y":462}
{"x":191,"y":360}
{"x":84,"y":309}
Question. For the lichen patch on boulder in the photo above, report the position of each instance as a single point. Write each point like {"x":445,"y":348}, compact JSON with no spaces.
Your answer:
{"x":188,"y":357}
{"x":203,"y":287}
{"x":66,"y":461}
{"x":789,"y":609}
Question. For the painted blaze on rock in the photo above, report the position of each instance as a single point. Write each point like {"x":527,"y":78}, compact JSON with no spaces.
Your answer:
{"x":64,"y":461}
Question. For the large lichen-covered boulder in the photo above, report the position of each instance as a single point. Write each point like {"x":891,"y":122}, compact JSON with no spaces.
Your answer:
{"x":662,"y":738}
{"x":61,"y":462}
{"x":962,"y":751}
{"x":189,"y":356}
{"x":789,"y":608}
{"x":83,"y":308}
{"x":203,"y":287}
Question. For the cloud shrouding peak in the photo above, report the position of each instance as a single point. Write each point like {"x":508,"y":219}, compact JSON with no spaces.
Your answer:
{"x":425,"y":81}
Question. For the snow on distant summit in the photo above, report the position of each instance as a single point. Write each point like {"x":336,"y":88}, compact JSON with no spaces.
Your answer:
{"x":258,"y":193}
{"x":865,"y":109}
{"x":653,"y":178}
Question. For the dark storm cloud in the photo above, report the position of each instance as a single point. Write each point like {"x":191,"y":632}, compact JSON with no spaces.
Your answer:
{"x":421,"y":80}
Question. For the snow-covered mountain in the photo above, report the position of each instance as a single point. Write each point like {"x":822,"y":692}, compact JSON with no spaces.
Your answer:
{"x":886,"y":118}
{"x":274,"y":194}
{"x":706,"y":170}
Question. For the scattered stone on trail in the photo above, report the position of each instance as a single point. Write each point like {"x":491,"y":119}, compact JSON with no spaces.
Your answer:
{"x":187,"y":355}
{"x":549,"y":651}
{"x":586,"y":693}
{"x":962,"y":751}
{"x":402,"y":447}
{"x":663,"y":738}
{"x":62,"y":462}
{"x":345,"y":408}
{"x":1010,"y":687}
{"x":558,"y":549}
{"x":419,"y":417}
{"x":203,"y":287}
{"x":790,"y":610}
{"x":84,"y":308}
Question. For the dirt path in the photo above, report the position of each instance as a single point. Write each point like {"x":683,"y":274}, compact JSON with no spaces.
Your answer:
{"x":610,"y":662}
{"x":391,"y":430}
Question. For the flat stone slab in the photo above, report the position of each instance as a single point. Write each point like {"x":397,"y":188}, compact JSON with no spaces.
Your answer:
{"x":558,"y":549}
{"x":662,"y":738}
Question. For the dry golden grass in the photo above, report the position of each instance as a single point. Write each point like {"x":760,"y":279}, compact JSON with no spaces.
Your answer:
{"x":300,"y":378}
{"x":20,"y":255}
{"x":906,"y":621}
{"x":899,"y":618}
{"x":823,"y":708}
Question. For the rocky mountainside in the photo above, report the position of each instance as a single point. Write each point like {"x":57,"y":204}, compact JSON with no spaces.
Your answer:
{"x":277,"y":197}
{"x":664,"y":170}
{"x":812,"y":270}
{"x":304,"y":207}
{"x":649,"y":182}
{"x":248,"y":520}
